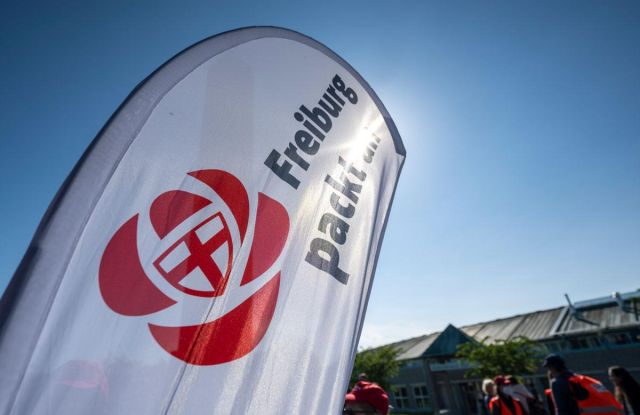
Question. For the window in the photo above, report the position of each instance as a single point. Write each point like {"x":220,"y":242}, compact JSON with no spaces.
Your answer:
{"x":421,"y":394}
{"x":619,"y":338}
{"x":578,"y":343}
{"x":411,"y":364}
{"x":470,"y":396}
{"x":400,"y":396}
{"x":554,"y":347}
{"x":595,"y":342}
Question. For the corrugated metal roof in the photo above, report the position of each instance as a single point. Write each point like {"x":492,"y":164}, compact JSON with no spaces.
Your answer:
{"x":415,"y":347}
{"x":605,"y":317}
{"x":535,"y":326}
{"x":538,"y":325}
{"x":473,"y":329}
{"x":501,"y":329}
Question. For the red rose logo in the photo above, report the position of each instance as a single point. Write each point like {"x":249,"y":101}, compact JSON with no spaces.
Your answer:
{"x":199,"y":262}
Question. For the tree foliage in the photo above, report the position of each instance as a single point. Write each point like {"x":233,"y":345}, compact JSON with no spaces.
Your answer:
{"x":515,"y":357}
{"x":379,"y":364}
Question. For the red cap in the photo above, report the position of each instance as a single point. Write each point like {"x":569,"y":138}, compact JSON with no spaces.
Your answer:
{"x":369,"y":393}
{"x":501,"y":380}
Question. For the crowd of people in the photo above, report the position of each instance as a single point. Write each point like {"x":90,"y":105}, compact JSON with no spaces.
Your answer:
{"x":569,"y":393}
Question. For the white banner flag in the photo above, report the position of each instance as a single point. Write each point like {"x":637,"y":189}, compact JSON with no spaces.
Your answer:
{"x":213,"y":250}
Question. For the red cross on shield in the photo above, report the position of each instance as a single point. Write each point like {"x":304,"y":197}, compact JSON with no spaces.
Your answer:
{"x":199,"y":263}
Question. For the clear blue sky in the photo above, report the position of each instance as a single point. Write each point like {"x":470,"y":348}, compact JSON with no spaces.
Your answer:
{"x":521,"y":122}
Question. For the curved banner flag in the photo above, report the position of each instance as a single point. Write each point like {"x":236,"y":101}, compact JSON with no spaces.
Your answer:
{"x":213,"y":250}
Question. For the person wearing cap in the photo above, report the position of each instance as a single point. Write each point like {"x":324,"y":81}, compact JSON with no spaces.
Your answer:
{"x":573,"y":394}
{"x":561,"y":393}
{"x":503,"y":403}
{"x":366,"y":398}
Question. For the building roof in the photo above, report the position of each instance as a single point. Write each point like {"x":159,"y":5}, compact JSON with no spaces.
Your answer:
{"x":446,"y":343}
{"x":535,"y":326}
{"x":593,"y":319}
{"x":415,"y":347}
{"x":579,"y":318}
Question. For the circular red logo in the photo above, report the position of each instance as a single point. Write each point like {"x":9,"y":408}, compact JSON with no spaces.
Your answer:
{"x":198,"y":260}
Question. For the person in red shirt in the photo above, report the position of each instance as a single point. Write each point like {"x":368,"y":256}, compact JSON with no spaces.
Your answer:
{"x":575,"y":394}
{"x":502,"y":403}
{"x":366,"y":398}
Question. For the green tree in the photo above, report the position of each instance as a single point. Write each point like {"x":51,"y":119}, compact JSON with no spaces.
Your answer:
{"x":379,"y":364}
{"x":515,"y":357}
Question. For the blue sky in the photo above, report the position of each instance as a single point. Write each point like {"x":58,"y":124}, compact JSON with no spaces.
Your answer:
{"x":521,"y":123}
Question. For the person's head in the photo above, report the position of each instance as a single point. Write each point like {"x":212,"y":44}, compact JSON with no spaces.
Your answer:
{"x":501,"y":383}
{"x":617,"y":374}
{"x":488,"y":387}
{"x":623,"y":380}
{"x":512,"y":380}
{"x":362,"y":376}
{"x":554,"y":365}
{"x":368,"y":399}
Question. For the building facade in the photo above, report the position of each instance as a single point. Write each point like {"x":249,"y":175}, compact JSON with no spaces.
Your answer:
{"x":591,"y":336}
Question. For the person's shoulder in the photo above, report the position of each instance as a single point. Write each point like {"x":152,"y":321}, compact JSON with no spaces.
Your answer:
{"x":563,"y":377}
{"x":560,"y":382}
